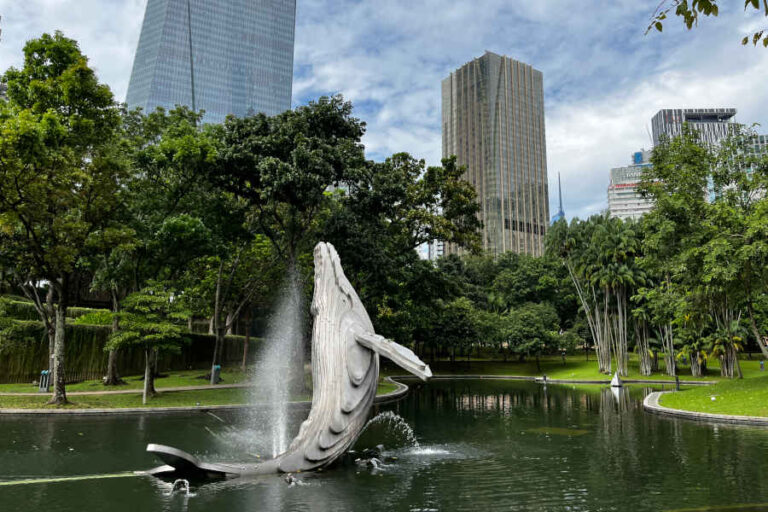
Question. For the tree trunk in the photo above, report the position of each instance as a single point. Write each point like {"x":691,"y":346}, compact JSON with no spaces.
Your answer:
{"x":113,"y":378}
{"x":51,"y":328}
{"x":655,"y":361}
{"x":643,"y":349}
{"x":756,"y":332}
{"x":695,"y":364}
{"x":59,"y":377}
{"x":149,"y":377}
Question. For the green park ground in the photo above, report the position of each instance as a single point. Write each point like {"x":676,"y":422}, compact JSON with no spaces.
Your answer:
{"x":748,"y":396}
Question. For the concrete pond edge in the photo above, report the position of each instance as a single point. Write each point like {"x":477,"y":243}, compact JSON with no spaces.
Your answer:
{"x":651,"y":404}
{"x":400,"y":392}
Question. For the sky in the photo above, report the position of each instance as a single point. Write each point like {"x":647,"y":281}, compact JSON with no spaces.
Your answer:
{"x":603,"y":77}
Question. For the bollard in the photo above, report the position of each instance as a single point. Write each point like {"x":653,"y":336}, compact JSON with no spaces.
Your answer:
{"x":217,"y":373}
{"x":677,"y":383}
{"x":45,"y":382}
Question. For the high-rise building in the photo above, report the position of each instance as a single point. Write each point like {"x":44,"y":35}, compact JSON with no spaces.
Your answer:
{"x":713,"y":124}
{"x":624,"y":200}
{"x":493,"y":121}
{"x":224,"y":57}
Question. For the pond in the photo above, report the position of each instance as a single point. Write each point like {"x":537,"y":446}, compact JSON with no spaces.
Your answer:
{"x":480,"y":445}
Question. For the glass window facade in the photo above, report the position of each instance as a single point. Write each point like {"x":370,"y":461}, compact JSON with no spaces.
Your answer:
{"x":493,"y":121}
{"x":224,"y":57}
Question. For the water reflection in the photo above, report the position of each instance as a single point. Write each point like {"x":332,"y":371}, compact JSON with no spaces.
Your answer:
{"x":483,"y":445}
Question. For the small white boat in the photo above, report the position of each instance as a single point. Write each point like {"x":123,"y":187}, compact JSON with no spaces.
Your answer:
{"x":616,"y":381}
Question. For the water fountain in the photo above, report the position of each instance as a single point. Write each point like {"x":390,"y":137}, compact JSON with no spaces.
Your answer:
{"x":345,"y":376}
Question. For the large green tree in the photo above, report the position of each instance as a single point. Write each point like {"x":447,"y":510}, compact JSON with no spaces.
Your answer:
{"x":60,"y":171}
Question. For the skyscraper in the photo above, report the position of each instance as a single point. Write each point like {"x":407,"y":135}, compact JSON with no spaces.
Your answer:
{"x":493,"y":121}
{"x":713,"y":124}
{"x":624,"y":200}
{"x":224,"y":57}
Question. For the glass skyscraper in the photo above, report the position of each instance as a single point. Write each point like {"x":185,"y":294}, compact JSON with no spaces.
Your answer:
{"x":223,"y":56}
{"x":493,"y":122}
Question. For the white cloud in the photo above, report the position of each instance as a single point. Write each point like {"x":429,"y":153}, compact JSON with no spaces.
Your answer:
{"x":603,"y":78}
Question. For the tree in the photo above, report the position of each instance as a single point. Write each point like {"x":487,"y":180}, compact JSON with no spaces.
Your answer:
{"x":150,"y":319}
{"x":390,"y":209}
{"x":690,"y":12}
{"x":60,"y":171}
{"x":284,"y":165}
{"x":231,"y":281}
{"x":532,"y":328}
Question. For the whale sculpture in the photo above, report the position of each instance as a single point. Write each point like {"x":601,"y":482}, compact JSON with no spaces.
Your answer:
{"x":345,"y":375}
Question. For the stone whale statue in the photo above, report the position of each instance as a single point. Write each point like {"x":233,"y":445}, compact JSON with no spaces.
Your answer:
{"x":345,"y":376}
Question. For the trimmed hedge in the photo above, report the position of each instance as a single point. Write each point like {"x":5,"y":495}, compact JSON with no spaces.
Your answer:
{"x":25,"y":310}
{"x":22,"y":359}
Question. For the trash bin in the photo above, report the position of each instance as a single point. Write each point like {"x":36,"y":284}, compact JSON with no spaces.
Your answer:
{"x":216,"y":373}
{"x":45,"y":382}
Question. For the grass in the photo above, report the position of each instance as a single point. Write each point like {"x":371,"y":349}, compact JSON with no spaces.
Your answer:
{"x":232,"y":396}
{"x":575,"y":368}
{"x":173,"y":380}
{"x":748,"y":397}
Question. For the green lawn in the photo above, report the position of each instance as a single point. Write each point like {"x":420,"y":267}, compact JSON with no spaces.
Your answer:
{"x":168,"y":399}
{"x":748,"y":397}
{"x":174,"y":380}
{"x":575,"y":368}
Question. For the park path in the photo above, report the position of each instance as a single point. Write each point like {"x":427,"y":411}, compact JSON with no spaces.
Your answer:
{"x":135,"y":391}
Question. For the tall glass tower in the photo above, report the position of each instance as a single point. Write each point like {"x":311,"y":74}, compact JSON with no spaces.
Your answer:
{"x":493,"y":122}
{"x":223,"y":56}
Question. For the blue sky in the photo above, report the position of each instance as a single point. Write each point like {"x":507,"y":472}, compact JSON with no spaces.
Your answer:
{"x":604,"y":79}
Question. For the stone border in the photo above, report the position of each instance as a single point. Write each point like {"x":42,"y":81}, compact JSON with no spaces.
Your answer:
{"x":651,"y":404}
{"x":533,"y":378}
{"x":401,"y":391}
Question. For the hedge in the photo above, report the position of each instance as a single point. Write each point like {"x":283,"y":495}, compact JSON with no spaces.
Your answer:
{"x":22,"y":359}
{"x":25,"y":310}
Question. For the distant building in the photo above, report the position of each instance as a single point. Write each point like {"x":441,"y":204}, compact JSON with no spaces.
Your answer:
{"x":624,"y":200}
{"x":3,"y":91}
{"x":493,"y":121}
{"x":436,"y":250}
{"x":560,"y":213}
{"x":224,"y":57}
{"x":761,"y":145}
{"x":713,"y":124}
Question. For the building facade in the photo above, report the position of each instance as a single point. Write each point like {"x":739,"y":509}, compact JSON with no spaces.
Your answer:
{"x":713,"y":124}
{"x":224,"y":57}
{"x":624,"y":200}
{"x":493,"y":122}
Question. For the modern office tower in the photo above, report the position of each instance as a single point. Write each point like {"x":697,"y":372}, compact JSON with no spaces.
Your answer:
{"x":624,"y":200}
{"x":713,"y":124}
{"x":224,"y":57}
{"x":493,"y":121}
{"x":560,"y":212}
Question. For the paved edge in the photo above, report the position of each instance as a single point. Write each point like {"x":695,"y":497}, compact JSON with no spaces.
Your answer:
{"x":560,"y":381}
{"x":651,"y":404}
{"x":400,"y":392}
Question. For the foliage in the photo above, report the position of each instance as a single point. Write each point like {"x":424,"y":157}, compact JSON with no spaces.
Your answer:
{"x":690,"y":12}
{"x":150,"y":319}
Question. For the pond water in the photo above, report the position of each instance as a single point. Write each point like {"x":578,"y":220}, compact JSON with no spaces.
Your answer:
{"x":480,"y":445}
